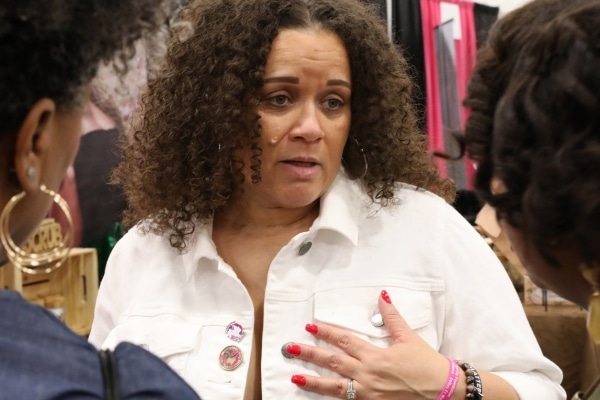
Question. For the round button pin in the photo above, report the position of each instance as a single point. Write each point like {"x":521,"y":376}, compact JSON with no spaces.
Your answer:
{"x":235,"y":331}
{"x":230,"y":358}
{"x":305,"y":248}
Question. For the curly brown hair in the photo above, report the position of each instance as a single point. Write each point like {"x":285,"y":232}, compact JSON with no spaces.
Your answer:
{"x":52,"y":48}
{"x":181,"y":169}
{"x":535,"y":122}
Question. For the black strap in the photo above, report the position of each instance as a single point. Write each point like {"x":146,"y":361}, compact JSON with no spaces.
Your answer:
{"x":109,"y":375}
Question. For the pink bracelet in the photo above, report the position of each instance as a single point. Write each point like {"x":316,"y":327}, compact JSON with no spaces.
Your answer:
{"x":451,"y":382}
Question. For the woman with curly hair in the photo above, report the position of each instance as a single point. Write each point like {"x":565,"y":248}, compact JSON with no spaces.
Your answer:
{"x":282,"y":197}
{"x":50,"y":51}
{"x":535,"y":133}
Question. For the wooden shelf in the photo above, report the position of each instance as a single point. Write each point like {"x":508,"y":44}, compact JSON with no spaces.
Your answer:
{"x":76,"y":281}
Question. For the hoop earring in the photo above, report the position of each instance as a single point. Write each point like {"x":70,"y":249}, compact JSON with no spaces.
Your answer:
{"x":364,"y":157}
{"x":592,"y":275}
{"x":36,"y":263}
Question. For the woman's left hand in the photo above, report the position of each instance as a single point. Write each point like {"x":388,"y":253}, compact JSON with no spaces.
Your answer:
{"x":409,"y":369}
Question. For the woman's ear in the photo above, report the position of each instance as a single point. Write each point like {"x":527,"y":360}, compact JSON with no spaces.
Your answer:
{"x":32,"y":142}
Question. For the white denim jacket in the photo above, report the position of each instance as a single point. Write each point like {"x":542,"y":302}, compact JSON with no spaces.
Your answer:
{"x":440,"y":274}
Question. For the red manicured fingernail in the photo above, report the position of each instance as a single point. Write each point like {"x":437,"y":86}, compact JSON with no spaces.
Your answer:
{"x":386,"y":297}
{"x":293,"y":349}
{"x":299,"y":380}
{"x":312,"y":328}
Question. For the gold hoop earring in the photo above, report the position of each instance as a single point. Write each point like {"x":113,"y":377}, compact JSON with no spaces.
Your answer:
{"x":49,"y":259}
{"x":592,"y":275}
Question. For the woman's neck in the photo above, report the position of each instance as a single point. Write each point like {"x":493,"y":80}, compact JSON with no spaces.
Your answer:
{"x":255,"y":217}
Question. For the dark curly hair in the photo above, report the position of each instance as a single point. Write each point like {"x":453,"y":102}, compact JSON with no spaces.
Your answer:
{"x":535,"y":123}
{"x":181,"y":168}
{"x":52,"y":48}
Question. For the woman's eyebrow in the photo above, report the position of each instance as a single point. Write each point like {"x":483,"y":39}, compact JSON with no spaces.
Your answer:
{"x":294,"y":80}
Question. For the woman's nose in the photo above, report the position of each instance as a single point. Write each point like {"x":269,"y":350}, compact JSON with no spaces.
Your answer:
{"x":308,"y":125}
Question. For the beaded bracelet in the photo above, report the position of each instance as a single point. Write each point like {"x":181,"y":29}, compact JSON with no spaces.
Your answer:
{"x":474,"y":389}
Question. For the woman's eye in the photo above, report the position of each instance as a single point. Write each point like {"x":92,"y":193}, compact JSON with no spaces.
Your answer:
{"x":279,"y":100}
{"x":333,"y":104}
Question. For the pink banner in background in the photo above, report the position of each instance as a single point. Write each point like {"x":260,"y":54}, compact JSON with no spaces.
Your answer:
{"x":466,"y":49}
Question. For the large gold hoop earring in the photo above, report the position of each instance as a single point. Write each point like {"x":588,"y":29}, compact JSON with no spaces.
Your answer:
{"x":49,"y":259}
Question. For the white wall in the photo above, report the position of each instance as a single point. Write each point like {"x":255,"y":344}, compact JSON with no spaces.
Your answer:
{"x":505,"y":5}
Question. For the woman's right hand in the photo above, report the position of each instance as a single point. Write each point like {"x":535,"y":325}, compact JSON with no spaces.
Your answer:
{"x":409,"y":369}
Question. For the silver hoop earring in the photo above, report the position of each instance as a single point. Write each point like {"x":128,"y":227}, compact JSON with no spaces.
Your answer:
{"x":362,"y":152}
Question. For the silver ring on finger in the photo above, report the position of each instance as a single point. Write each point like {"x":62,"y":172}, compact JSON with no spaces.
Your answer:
{"x":350,"y":393}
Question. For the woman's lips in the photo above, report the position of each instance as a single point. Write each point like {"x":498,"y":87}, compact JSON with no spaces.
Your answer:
{"x":301,"y":163}
{"x":301,"y":168}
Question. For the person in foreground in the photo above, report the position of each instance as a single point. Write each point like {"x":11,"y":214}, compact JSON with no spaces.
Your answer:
{"x":50,"y":50}
{"x":534,"y":131}
{"x":283,"y":199}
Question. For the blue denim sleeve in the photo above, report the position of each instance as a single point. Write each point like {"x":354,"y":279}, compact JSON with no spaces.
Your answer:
{"x":144,"y":376}
{"x":41,"y":358}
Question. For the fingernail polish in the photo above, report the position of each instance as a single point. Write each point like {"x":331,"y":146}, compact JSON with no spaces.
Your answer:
{"x":312,"y":328}
{"x":284,"y":350}
{"x":299,"y":380}
{"x":293,"y":349}
{"x":386,"y":297}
